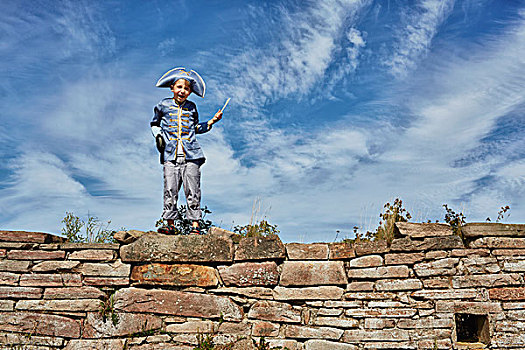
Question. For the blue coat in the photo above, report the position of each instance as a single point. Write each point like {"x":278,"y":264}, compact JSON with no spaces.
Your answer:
{"x":179,"y":124}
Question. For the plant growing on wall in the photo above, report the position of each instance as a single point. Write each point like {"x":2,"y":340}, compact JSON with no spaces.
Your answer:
{"x":184,"y":226}
{"x":93,"y":230}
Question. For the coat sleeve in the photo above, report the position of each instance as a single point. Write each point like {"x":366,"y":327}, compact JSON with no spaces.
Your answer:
{"x":157,"y":116}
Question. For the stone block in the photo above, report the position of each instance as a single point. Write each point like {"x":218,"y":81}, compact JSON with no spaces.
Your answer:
{"x":507,"y":340}
{"x":3,"y":253}
{"x":379,"y":323}
{"x":370,"y":296}
{"x":455,"y":253}
{"x":396,"y":271}
{"x":76,"y":305}
{"x":30,"y":237}
{"x":20,"y":293}
{"x":250,"y":274}
{"x":313,"y":273}
{"x":88,"y":344}
{"x":370,"y":247}
{"x":50,"y":280}
{"x":360,"y":286}
{"x":468,"y":307}
{"x":486,"y":229}
{"x":514,"y":266}
{"x":506,"y":294}
{"x":304,"y":332}
{"x":39,"y":324}
{"x":250,"y":292}
{"x":7,"y":305}
{"x":398,"y":285}
{"x":422,"y":230}
{"x":82,"y":246}
{"x":193,"y":327}
{"x":318,"y":344}
{"x":106,"y":281}
{"x":175,"y":275}
{"x":493,"y":280}
{"x":36,"y":254}
{"x":191,"y":248}
{"x":329,"y":312}
{"x":95,"y":326}
{"x":9,"y":279}
{"x":115,"y":269}
{"x":437,"y":282}
{"x":436,"y":254}
{"x":14,"y":265}
{"x":236,"y":328}
{"x":313,"y":251}
{"x":308,"y":293}
{"x":508,"y":252}
{"x":20,"y":341}
{"x":274,"y":311}
{"x":359,"y":336}
{"x":432,"y":243}
{"x":343,"y":304}
{"x":74,"y":293}
{"x":403,"y":258}
{"x":265,"y":329}
{"x":260,"y":248}
{"x":498,"y":243}
{"x":284,"y":344}
{"x":436,"y":268}
{"x":52,"y":266}
{"x":426,"y":323}
{"x":366,"y":261}
{"x":335,"y":322}
{"x":478,"y":265}
{"x":93,"y":254}
{"x":447,"y":294}
{"x":341,"y":251}
{"x":175,"y":303}
{"x":381,"y":312}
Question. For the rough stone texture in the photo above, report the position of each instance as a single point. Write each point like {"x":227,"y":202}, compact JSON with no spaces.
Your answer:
{"x":175,"y":275}
{"x":14,"y":265}
{"x":106,"y":281}
{"x":317,"y":344}
{"x":379,"y":272}
{"x":472,"y":230}
{"x":274,"y":311}
{"x":260,"y":248}
{"x":308,"y":293}
{"x":436,"y":268}
{"x":360,"y":286}
{"x":403,"y":258}
{"x":336,"y":322}
{"x":448,"y":294}
{"x":106,"y":344}
{"x":74,"y":293}
{"x":39,"y":324}
{"x":300,"y":251}
{"x":81,"y":305}
{"x":83,"y":246}
{"x":20,"y":292}
{"x":193,"y":327}
{"x":250,"y":292}
{"x":92,"y":254}
{"x":381,"y":312}
{"x":7,"y":305}
{"x":192,"y":248}
{"x":115,"y":269}
{"x":357,"y":336}
{"x":303,"y":332}
{"x":250,"y":274}
{"x":366,"y":261}
{"x":478,"y":265}
{"x":390,"y":285}
{"x":370,"y":247}
{"x":50,"y":280}
{"x":313,"y":273}
{"x":31,"y":237}
{"x":36,"y":254}
{"x":8,"y":278}
{"x":265,"y":329}
{"x":507,"y":293}
{"x":471,"y":307}
{"x":498,"y":243}
{"x":3,"y":253}
{"x":49,"y":266}
{"x":417,"y":230}
{"x":176,"y":303}
{"x":495,"y":280}
{"x":128,"y":323}
{"x":340,"y":251}
{"x":432,"y":243}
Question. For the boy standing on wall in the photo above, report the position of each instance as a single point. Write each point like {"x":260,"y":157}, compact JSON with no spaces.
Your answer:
{"x":174,"y":125}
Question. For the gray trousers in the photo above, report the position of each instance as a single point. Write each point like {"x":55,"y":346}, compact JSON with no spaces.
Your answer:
{"x":188,"y":174}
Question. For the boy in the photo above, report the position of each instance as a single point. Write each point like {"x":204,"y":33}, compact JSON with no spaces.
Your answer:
{"x":175,"y":123}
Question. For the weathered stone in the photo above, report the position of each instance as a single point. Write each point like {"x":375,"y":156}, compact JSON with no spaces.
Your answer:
{"x":175,"y":275}
{"x":514,"y":266}
{"x":7,"y":305}
{"x":339,"y":251}
{"x":50,"y":280}
{"x":3,"y":253}
{"x":106,"y":281}
{"x":447,"y":294}
{"x":485,"y":229}
{"x":436,"y":268}
{"x":437,"y":282}
{"x":508,"y":252}
{"x":370,"y":247}
{"x":336,"y":322}
{"x":512,"y":306}
{"x":159,"y":338}
{"x":470,"y":307}
{"x":95,"y":326}
{"x":250,"y":274}
{"x":193,"y":327}
{"x":74,"y":293}
{"x":14,"y":265}
{"x":390,"y":285}
{"x":317,"y":344}
{"x":400,"y":271}
{"x":478,"y":265}
{"x":313,"y":273}
{"x":81,"y":246}
{"x":403,"y":258}
{"x":308,"y":293}
{"x":455,"y":253}
{"x":436,"y":254}
{"x":360,"y":286}
{"x":250,"y":292}
{"x":508,"y":340}
{"x":370,"y":296}
{"x":8,"y":278}
{"x":498,"y":243}
{"x":31,"y":237}
{"x":106,"y":344}
{"x":77,"y":305}
{"x":274,"y":311}
{"x":329,"y":312}
{"x":191,"y":248}
{"x":358,"y":335}
{"x":20,"y":293}
{"x":507,"y":293}
{"x":422,"y":230}
{"x":46,"y":266}
{"x":260,"y":248}
{"x":366,"y":261}
{"x":115,"y":269}
{"x":379,"y":323}
{"x":494,"y":280}
{"x":36,"y":254}
{"x":303,"y":332}
{"x":127,"y":237}
{"x":426,"y":323}
{"x":510,"y":326}
{"x":285,"y":344}
{"x":176,"y":303}
{"x":343,"y":304}
{"x":300,"y":251}
{"x":265,"y":329}
{"x":92,"y":254}
{"x":26,"y":342}
{"x":381,"y":312}
{"x":236,"y":328}
{"x":386,"y":304}
{"x":432,"y":243}
{"x":39,"y":324}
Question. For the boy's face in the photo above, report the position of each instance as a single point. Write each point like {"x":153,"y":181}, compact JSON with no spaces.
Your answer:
{"x":181,"y":90}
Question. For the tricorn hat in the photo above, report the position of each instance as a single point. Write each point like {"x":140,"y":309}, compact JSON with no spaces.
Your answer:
{"x":198,"y":86}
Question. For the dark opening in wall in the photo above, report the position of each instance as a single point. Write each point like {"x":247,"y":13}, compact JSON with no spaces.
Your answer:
{"x":472,"y":328}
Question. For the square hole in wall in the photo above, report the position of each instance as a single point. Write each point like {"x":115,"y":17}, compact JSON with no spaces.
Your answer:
{"x":472,"y":328}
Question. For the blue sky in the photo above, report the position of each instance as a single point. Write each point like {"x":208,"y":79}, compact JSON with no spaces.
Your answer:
{"x":338,"y":107}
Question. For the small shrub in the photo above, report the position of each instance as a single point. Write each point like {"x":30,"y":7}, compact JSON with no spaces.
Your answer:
{"x":501,"y":213}
{"x":94,"y":230}
{"x":261,"y":229}
{"x":455,"y":220}
{"x":184,"y":226}
{"x":107,"y":309}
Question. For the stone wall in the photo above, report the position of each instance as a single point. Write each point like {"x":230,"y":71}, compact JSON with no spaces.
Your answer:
{"x":162,"y":292}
